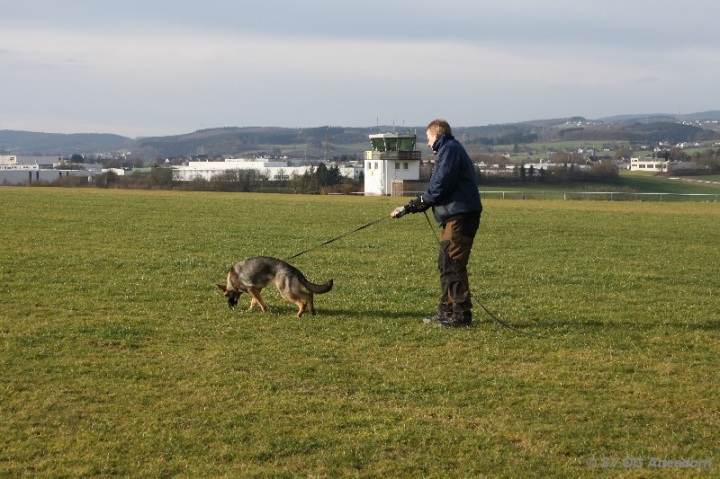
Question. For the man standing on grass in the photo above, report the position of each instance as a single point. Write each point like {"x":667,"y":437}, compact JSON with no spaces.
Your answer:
{"x":455,"y":200}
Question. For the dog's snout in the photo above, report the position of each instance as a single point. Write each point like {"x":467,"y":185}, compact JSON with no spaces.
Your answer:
{"x":232,"y":298}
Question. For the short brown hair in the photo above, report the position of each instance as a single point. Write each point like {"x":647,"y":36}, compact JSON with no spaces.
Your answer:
{"x":439,"y":127}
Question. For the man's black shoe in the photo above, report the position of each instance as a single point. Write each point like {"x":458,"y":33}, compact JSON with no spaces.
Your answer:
{"x":455,"y":323}
{"x":457,"y":320}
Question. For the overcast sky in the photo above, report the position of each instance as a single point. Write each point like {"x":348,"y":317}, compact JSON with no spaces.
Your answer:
{"x":148,"y":67}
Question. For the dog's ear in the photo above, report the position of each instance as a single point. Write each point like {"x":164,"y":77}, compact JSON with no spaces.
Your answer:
{"x":223,"y":287}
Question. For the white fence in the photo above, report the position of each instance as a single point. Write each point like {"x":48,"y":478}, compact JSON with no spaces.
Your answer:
{"x":592,"y":195}
{"x":600,"y":195}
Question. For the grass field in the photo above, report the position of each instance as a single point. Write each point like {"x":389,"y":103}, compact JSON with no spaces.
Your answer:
{"x":119,"y":356}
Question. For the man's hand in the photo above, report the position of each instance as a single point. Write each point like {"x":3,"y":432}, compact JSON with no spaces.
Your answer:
{"x":416,"y":205}
{"x":398,"y":212}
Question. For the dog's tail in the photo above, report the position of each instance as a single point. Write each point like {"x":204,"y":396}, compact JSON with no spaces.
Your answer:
{"x":316,"y":288}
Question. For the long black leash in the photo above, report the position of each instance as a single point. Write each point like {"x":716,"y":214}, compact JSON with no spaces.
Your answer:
{"x":339,"y":237}
{"x":467,"y":287}
{"x":452,"y":261}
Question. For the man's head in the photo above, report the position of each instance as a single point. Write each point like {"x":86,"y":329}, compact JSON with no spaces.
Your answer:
{"x":435,"y":129}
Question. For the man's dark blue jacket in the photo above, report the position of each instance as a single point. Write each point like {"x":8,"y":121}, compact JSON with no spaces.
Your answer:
{"x":453,"y":186}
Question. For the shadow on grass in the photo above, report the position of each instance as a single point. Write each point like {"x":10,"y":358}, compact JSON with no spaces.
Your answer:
{"x":704,"y":326}
{"x":532,"y":327}
{"x":375,"y":314}
{"x":288,"y":311}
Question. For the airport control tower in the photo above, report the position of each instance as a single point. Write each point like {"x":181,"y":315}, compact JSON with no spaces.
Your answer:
{"x":393,"y":159}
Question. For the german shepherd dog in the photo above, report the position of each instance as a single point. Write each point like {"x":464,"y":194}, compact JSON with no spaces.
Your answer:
{"x":254,"y":274}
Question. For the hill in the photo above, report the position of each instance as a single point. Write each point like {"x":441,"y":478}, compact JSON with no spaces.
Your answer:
{"x":703,"y":115}
{"x":39,"y":144}
{"x":257,"y":140}
{"x":331,"y":141}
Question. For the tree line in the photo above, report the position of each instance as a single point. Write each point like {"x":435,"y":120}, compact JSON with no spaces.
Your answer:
{"x":605,"y":172}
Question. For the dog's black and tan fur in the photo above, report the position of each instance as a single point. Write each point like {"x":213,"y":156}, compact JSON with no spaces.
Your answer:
{"x":254,"y":274}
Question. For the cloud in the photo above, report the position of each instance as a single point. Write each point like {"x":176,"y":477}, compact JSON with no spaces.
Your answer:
{"x":141,"y":68}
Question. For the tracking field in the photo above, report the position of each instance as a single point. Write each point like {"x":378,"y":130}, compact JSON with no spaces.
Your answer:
{"x":120,"y":357}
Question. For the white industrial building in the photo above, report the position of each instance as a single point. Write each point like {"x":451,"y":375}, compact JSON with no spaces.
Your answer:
{"x":25,"y":171}
{"x":659,"y":165}
{"x":270,"y":169}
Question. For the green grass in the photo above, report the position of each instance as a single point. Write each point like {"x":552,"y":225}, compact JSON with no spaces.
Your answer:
{"x":119,"y":357}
